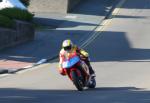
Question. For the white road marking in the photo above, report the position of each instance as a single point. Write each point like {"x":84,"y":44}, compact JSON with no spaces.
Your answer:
{"x":4,"y":75}
{"x":41,"y":61}
{"x":71,"y":17}
{"x":104,"y":24}
{"x":98,"y":30}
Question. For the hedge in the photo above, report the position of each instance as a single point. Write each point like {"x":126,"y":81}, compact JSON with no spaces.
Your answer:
{"x":16,"y":13}
{"x":6,"y":21}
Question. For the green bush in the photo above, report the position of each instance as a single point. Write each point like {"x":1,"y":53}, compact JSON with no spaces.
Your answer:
{"x":25,"y":2}
{"x":16,"y":13}
{"x":6,"y":22}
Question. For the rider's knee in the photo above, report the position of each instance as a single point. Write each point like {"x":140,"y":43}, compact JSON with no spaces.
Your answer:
{"x":62,"y":71}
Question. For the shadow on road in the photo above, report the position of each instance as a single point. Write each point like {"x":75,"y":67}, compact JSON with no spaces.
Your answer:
{"x":48,"y":42}
{"x":85,"y":11}
{"x":95,"y":7}
{"x":115,"y":46}
{"x":137,"y":4}
{"x":111,"y":46}
{"x":54,"y":23}
{"x":98,"y":95}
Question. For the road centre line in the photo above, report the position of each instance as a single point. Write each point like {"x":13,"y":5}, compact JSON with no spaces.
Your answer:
{"x":99,"y":29}
{"x":104,"y":24}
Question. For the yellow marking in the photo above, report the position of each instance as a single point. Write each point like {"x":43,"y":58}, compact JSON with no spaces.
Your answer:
{"x":104,"y":24}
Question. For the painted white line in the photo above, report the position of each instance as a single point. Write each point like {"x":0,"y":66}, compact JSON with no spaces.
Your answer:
{"x":71,"y":17}
{"x":95,"y":35}
{"x":41,"y":61}
{"x":104,"y":24}
{"x":117,"y":9}
{"x":4,"y":75}
{"x":26,"y":69}
{"x":98,"y":31}
{"x":30,"y":69}
{"x":29,"y":66}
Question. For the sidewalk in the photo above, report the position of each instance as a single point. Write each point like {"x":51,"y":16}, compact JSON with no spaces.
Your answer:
{"x":78,"y":26}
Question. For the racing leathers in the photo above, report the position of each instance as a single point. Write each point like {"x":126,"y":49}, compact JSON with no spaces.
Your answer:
{"x":83,"y":55}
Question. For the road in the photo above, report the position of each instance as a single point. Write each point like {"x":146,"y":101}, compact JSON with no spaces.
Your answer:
{"x":77,"y":26}
{"x":120,"y":56}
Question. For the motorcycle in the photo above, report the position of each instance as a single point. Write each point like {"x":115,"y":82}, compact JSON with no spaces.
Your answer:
{"x":78,"y":72}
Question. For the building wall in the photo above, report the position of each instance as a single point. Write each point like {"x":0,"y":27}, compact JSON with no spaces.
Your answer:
{"x":55,"y":6}
{"x":48,"y":6}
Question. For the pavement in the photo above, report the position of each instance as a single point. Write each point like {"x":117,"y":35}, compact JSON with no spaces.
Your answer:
{"x":79,"y":25}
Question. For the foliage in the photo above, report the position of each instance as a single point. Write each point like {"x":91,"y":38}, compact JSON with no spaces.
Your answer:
{"x":16,"y":13}
{"x":6,"y":21}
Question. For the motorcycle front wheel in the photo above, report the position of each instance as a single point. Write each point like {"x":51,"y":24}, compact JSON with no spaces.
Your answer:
{"x":77,"y":81}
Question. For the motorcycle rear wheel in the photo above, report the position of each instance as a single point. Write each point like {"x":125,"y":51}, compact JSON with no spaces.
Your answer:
{"x":93,"y":84}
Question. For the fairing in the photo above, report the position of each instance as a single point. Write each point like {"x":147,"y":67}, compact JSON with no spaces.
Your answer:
{"x":70,"y":62}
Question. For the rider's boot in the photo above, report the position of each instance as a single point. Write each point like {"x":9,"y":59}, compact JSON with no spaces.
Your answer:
{"x":92,"y":73}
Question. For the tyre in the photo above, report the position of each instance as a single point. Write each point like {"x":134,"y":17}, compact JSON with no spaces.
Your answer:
{"x":77,"y":82}
{"x":92,"y":84}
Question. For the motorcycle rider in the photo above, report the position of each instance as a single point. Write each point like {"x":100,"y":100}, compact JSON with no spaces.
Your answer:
{"x":67,"y":47}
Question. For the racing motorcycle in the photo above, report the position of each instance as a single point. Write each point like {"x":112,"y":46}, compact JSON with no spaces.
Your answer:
{"x":78,"y":72}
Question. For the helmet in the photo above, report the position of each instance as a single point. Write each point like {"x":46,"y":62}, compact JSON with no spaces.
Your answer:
{"x":67,"y":45}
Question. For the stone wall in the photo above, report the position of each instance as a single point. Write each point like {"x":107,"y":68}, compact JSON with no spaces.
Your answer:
{"x":23,"y":32}
{"x":55,"y":6}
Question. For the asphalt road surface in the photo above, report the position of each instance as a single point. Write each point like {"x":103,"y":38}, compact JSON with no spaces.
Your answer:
{"x":120,"y":56}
